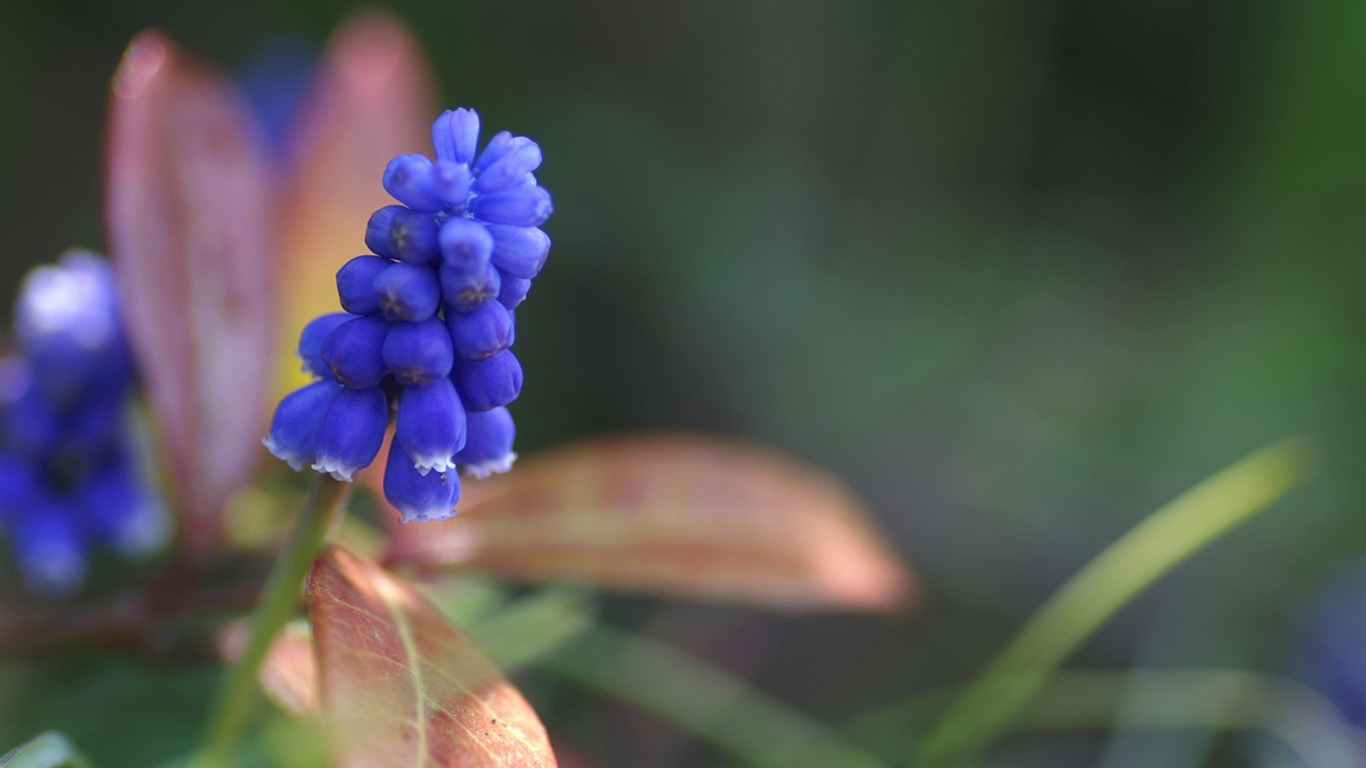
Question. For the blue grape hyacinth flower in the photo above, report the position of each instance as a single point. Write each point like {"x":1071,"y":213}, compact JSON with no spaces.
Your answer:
{"x":425,"y":339}
{"x":70,"y":481}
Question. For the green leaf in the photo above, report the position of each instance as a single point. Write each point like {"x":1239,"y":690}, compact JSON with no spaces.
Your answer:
{"x":48,"y":750}
{"x":1161,"y":542}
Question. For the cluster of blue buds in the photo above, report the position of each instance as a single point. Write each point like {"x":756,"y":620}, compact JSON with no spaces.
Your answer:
{"x":428,"y":325}
{"x":70,"y":479}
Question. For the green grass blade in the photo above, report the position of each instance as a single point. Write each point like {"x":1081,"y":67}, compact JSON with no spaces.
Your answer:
{"x":705,"y":700}
{"x":1161,"y":542}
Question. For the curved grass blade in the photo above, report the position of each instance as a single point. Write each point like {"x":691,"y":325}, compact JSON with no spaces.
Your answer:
{"x":47,"y":750}
{"x":1162,"y":541}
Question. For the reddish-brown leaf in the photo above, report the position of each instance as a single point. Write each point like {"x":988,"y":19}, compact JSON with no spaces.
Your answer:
{"x":192,"y":237}
{"x":400,"y":686}
{"x":692,"y":517}
{"x":372,"y":98}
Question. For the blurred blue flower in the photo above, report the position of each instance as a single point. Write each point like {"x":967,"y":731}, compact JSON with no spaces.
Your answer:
{"x":69,"y":476}
{"x":428,"y":324}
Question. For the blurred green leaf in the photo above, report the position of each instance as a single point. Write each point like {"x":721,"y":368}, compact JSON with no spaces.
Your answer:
{"x":1162,"y":541}
{"x":48,"y":750}
{"x":705,"y":700}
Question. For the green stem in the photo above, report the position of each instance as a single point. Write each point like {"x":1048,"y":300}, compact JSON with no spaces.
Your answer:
{"x":277,"y":604}
{"x":1165,"y":539}
{"x":707,"y":701}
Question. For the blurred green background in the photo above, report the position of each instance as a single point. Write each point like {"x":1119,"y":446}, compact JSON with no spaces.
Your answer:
{"x":1019,"y":272}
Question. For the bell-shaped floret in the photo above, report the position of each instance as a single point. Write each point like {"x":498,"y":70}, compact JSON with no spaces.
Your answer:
{"x":525,"y":206}
{"x":47,"y":544}
{"x":294,"y":428}
{"x":311,"y":342}
{"x":407,"y":292}
{"x":488,"y":442}
{"x":400,"y":233}
{"x":466,"y":244}
{"x":500,"y":144}
{"x":418,"y":353}
{"x":431,"y":425}
{"x":513,"y":290}
{"x":354,"y":352}
{"x":418,"y":496}
{"x":511,"y":169}
{"x":519,"y":251}
{"x":455,"y":135}
{"x":123,"y":513}
{"x":488,"y":383}
{"x":355,"y":284}
{"x":482,"y":332}
{"x":411,"y":179}
{"x":352,"y":432}
{"x":466,"y":290}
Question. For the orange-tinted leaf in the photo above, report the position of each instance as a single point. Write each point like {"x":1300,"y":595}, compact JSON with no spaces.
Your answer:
{"x":400,"y":686}
{"x":692,"y":517}
{"x":193,"y":241}
{"x":372,"y":99}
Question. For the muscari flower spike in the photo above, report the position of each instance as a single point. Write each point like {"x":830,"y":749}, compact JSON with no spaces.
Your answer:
{"x":428,"y":324}
{"x":70,"y":481}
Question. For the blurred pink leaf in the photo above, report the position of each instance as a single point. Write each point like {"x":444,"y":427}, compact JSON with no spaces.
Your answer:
{"x":692,"y":517}
{"x":372,"y":98}
{"x":400,"y":686}
{"x":191,"y":235}
{"x":289,"y":674}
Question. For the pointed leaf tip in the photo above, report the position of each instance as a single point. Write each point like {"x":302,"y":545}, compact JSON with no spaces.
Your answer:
{"x":400,"y":686}
{"x":191,"y":236}
{"x":686,"y":516}
{"x":372,"y":98}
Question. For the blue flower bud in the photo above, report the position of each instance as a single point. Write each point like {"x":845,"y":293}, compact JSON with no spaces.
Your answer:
{"x":399,"y":233}
{"x":407,"y":292}
{"x":524,"y":206}
{"x":418,"y":353}
{"x":411,"y":179}
{"x":48,"y":546}
{"x":18,"y":481}
{"x":354,"y":352}
{"x":66,"y":318}
{"x":355,"y":284}
{"x":488,"y":442}
{"x":294,"y":428}
{"x":511,"y":169}
{"x":418,"y":496}
{"x":501,"y":144}
{"x":513,"y":290}
{"x":466,"y":290}
{"x":465,"y":244}
{"x":455,"y":135}
{"x":351,"y":432}
{"x":431,"y":425}
{"x":311,"y":342}
{"x":94,"y":422}
{"x":519,"y":251}
{"x":452,"y":182}
{"x":482,"y":332}
{"x":32,"y":423}
{"x":123,"y":514}
{"x":488,"y":383}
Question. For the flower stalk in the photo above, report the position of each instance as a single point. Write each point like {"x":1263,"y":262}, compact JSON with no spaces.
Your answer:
{"x":326,"y":503}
